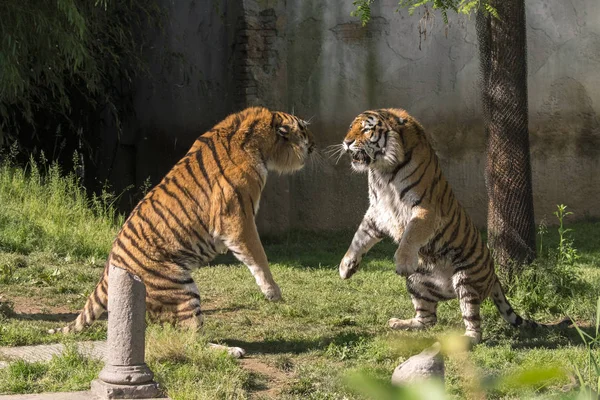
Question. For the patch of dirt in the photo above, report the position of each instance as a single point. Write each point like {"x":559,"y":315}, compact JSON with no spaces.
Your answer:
{"x":276,"y":379}
{"x":36,"y":308}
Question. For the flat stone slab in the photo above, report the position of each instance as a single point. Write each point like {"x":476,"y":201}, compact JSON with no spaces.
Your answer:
{"x":45,"y":352}
{"x":57,"y":396}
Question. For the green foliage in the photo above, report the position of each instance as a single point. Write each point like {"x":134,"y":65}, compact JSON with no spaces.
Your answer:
{"x":44,"y":209}
{"x":567,"y":254}
{"x":324,"y":328}
{"x":363,"y":10}
{"x":590,"y":387}
{"x":55,"y":55}
{"x":543,"y":285}
{"x":467,"y":7}
{"x":68,"y":372}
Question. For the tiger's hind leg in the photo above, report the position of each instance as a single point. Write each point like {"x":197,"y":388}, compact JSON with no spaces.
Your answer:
{"x":470,"y":304}
{"x":183,"y":305}
{"x":425,"y":307}
{"x":176,"y":304}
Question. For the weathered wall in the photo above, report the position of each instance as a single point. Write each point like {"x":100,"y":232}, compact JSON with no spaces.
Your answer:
{"x":190,"y":88}
{"x":336,"y":69}
{"x":311,"y":57}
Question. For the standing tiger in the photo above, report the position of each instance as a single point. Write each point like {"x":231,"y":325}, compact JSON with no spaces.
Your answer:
{"x":204,"y":206}
{"x":440,"y":251}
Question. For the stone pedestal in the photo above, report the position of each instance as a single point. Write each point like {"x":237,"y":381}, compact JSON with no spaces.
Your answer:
{"x":125,"y":374}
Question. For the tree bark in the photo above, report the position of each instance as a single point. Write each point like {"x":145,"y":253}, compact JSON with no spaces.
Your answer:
{"x":503,"y":57}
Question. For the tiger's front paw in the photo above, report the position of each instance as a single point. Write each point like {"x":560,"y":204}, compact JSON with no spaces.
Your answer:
{"x":406,"y":262}
{"x":272,"y":292}
{"x":348,"y":266}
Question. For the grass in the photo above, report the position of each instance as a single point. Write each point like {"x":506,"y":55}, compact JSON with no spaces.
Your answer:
{"x":307,"y":347}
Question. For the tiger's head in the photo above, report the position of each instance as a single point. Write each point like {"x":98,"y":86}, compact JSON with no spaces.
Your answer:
{"x":292,"y":143}
{"x":373,"y":139}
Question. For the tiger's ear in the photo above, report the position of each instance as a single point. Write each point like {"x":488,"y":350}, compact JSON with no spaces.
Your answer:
{"x":277,"y":125}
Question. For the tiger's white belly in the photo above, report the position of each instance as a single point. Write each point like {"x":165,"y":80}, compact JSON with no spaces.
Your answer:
{"x":391,"y":214}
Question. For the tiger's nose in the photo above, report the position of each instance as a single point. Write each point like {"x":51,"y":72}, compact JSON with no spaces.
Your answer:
{"x":348,"y":143}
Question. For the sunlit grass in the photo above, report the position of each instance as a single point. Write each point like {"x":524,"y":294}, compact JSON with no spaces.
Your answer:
{"x":53,"y":242}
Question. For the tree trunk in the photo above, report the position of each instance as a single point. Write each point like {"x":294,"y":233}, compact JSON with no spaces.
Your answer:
{"x":503,"y":57}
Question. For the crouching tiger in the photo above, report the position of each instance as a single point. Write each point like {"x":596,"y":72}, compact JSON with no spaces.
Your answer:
{"x":440,"y":251}
{"x":204,"y":206}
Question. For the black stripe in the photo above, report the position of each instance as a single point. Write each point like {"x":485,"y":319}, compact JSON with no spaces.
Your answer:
{"x":424,"y":310}
{"x":129,"y":225}
{"x":407,"y":159}
{"x":412,"y":185}
{"x":446,"y":186}
{"x":419,"y":296}
{"x":416,"y":294}
{"x":217,"y":161}
{"x":196,"y":181}
{"x":150,"y":240}
{"x":419,"y":200}
{"x":437,"y":237}
{"x":484,"y":278}
{"x":415,"y":170}
{"x":471,"y":250}
{"x":140,"y":248}
{"x":192,"y":198}
{"x":249,"y":134}
{"x":485,"y":263}
{"x":192,"y":315}
{"x":184,"y":227}
{"x":200,"y":163}
{"x":472,"y":318}
{"x":148,"y":223}
{"x":181,"y":241}
{"x":97,"y":299}
{"x":475,"y":262}
{"x":252,"y":204}
{"x":233,"y":129}
{"x":436,"y":180}
{"x":373,"y":228}
{"x":429,"y":285}
{"x":148,"y":270}
{"x":453,"y":235}
{"x":176,"y":198}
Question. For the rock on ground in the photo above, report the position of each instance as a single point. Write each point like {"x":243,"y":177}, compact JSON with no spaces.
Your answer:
{"x":426,"y":365}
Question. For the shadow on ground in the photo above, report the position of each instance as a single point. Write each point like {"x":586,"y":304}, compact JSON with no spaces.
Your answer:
{"x":296,"y":346}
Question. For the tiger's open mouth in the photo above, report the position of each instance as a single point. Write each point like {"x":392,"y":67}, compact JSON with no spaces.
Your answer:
{"x":361,"y":157}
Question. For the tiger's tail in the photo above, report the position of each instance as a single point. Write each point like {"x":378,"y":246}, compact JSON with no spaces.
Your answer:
{"x":95,"y":306}
{"x":510,"y":316}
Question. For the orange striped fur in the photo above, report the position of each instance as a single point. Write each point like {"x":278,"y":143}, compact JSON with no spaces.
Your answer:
{"x":440,"y":251}
{"x":204,"y":206}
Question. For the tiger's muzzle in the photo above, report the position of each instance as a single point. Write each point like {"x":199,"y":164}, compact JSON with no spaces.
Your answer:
{"x":360,"y":157}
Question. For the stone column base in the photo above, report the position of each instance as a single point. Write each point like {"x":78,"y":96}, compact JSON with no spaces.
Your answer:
{"x":104,"y":390}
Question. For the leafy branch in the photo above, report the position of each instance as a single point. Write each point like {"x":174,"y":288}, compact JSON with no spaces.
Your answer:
{"x":363,"y":7}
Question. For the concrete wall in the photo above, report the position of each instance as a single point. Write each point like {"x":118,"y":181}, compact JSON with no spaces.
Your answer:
{"x":189,"y":89}
{"x":311,"y":57}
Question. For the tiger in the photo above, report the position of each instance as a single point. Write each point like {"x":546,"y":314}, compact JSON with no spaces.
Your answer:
{"x":205,"y":205}
{"x":440,"y":250}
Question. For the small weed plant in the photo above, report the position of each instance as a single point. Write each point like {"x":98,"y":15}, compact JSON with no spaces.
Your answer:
{"x":547,"y":284}
{"x":566,"y":252}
